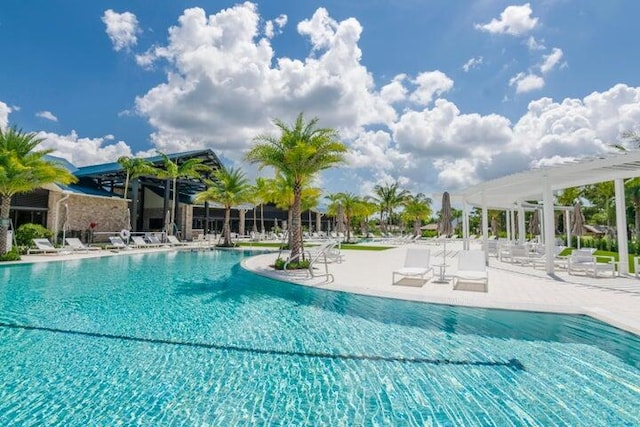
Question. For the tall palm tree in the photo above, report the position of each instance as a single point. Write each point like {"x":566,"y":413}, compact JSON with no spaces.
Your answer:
{"x":299,"y":153}
{"x":134,"y":167}
{"x":263,"y":196}
{"x":230,"y":187}
{"x":417,"y":209}
{"x":349,"y":204}
{"x":191,"y":168}
{"x":389,"y":197}
{"x":23,"y":168}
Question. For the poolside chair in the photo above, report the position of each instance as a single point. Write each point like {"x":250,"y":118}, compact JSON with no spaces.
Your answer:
{"x":76,"y":245}
{"x":44,"y":246}
{"x":416,"y":265}
{"x":585,"y":261}
{"x":173,"y":241}
{"x":472,"y":269}
{"x":327,"y":252}
{"x":139,"y":242}
{"x":117,"y":243}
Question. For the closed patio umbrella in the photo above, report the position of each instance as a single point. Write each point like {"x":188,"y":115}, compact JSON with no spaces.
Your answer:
{"x":578,"y":222}
{"x":167,"y":223}
{"x":444,"y":226}
{"x":494,"y":226}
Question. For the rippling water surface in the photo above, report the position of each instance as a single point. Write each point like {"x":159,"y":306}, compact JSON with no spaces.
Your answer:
{"x":185,"y":338}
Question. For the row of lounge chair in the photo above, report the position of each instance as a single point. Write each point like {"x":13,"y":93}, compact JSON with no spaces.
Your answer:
{"x":579,"y":261}
{"x":472,"y":268}
{"x":75,"y":245}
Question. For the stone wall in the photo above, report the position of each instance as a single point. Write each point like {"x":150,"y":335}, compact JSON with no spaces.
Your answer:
{"x":109,"y":214}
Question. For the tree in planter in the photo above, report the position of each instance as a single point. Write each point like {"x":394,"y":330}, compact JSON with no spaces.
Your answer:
{"x":192,"y":168}
{"x":299,"y":153}
{"x":23,"y":168}
{"x":229,"y":188}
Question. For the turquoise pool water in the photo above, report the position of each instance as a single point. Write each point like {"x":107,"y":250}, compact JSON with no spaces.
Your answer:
{"x":191,"y":339}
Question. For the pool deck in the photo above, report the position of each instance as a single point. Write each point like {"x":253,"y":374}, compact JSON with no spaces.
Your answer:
{"x":612,"y":300}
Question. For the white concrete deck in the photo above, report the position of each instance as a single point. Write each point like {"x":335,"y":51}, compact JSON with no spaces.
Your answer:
{"x":612,"y":300}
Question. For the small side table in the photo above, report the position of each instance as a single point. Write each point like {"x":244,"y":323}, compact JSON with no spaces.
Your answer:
{"x":441,"y":271}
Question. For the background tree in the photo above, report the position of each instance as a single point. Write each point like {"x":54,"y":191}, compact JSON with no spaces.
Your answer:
{"x":389,"y":197}
{"x":191,"y":168}
{"x":134,"y":167}
{"x":416,"y":210}
{"x":23,"y":168}
{"x":299,"y":153}
{"x":349,"y":203}
{"x":229,"y":187}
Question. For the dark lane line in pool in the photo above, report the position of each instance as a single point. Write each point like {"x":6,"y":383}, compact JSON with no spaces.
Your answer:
{"x":514,"y":363}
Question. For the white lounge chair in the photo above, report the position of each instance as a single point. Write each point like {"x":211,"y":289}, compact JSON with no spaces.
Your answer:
{"x":416,"y":265}
{"x":117,"y":243}
{"x":173,"y":241}
{"x":585,"y":261}
{"x":44,"y":246}
{"x":328,"y":251}
{"x":139,"y":242}
{"x":472,"y":268}
{"x":76,"y":245}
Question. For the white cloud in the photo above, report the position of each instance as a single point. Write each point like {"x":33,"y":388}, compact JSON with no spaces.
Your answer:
{"x":84,"y":151}
{"x":270,"y":29}
{"x":514,"y":20}
{"x":551,"y":61}
{"x":395,"y":91}
{"x":534,"y":44}
{"x":121,"y":29}
{"x":526,"y":82}
{"x":48,"y":115}
{"x":472,"y":63}
{"x":430,"y":84}
{"x":224,"y":83}
{"x":5,"y":110}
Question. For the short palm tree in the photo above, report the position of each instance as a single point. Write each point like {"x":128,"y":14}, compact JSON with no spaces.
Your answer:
{"x":23,"y":168}
{"x":229,"y":187}
{"x":299,"y":153}
{"x":192,"y":168}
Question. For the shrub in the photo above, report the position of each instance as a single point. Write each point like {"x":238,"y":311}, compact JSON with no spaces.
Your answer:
{"x":295,"y":265}
{"x":12,"y":255}
{"x":27,"y":232}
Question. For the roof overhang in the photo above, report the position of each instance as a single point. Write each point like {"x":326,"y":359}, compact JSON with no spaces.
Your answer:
{"x":510,"y":190}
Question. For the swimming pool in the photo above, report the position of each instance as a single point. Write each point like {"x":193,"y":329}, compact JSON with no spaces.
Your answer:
{"x":182,"y":338}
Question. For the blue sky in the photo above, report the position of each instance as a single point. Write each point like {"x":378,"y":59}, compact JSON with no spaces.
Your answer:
{"x":436,"y":94}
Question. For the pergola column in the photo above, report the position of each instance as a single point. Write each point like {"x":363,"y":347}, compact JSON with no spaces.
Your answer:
{"x":465,"y":226}
{"x":521,"y":230}
{"x":621,"y":225}
{"x":485,"y":228}
{"x":549,"y":229}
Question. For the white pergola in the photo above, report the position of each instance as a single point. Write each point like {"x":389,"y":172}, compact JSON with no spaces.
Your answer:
{"x":511,"y":192}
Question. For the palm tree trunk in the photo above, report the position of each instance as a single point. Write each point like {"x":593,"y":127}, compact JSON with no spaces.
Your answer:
{"x":262,"y":218}
{"x":296,"y":232}
{"x":5,"y":206}
{"x":416,"y":227}
{"x":226,"y":228}
{"x":383,"y":229}
{"x":126,"y":186}
{"x":173,"y":206}
{"x":348,"y":221}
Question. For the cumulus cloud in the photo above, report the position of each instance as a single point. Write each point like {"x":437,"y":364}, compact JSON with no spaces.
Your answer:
{"x":514,"y":20}
{"x":526,"y":82}
{"x":122,"y":29}
{"x":47,"y":115}
{"x":5,"y":110}
{"x":429,"y":85}
{"x":82,"y":151}
{"x":472,"y":63}
{"x":551,"y":61}
{"x":225,"y":84}
{"x":273,"y":27}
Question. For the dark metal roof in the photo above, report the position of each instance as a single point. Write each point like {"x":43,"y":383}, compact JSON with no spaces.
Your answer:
{"x":113,"y":169}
